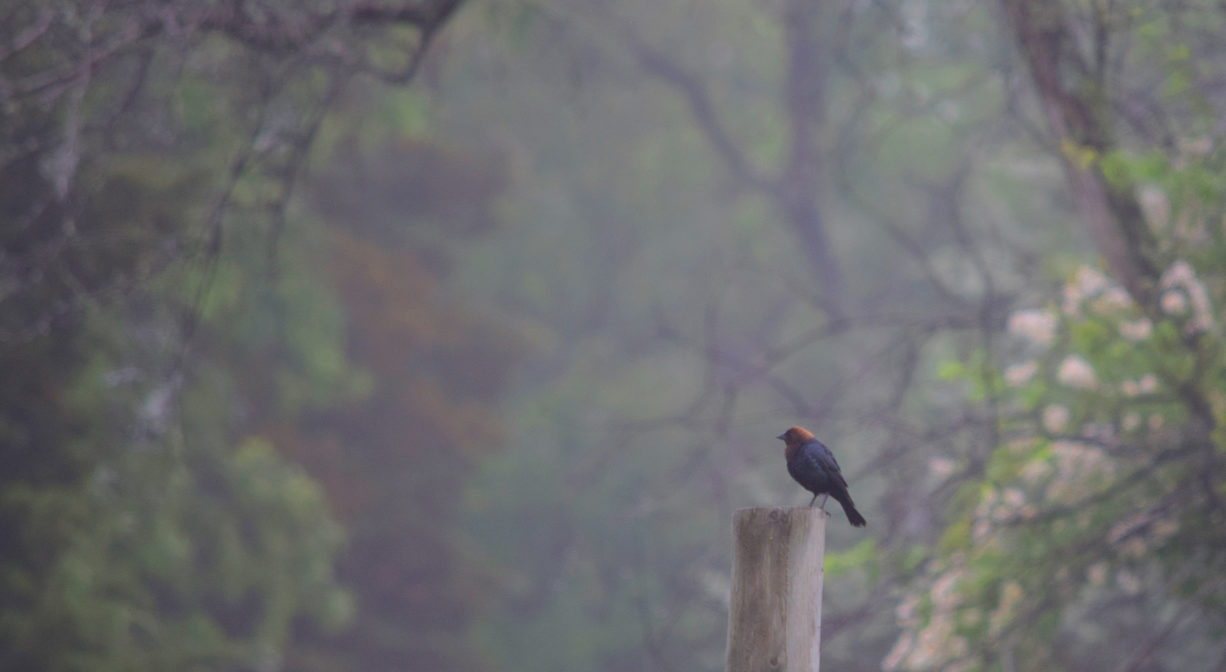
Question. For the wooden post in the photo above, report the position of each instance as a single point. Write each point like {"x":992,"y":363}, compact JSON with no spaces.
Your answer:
{"x":775,"y":618}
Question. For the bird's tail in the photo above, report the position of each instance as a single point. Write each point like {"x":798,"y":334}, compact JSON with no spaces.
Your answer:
{"x":849,"y":508}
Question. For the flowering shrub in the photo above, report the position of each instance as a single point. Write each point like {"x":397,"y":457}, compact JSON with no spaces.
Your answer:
{"x":1107,"y":494}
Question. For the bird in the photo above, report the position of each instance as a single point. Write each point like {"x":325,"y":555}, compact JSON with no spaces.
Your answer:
{"x":813,"y":466}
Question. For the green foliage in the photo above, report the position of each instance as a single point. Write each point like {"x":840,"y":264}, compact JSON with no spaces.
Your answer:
{"x":178,"y":553}
{"x":407,"y":112}
{"x":863,"y":557}
{"x":169,"y":570}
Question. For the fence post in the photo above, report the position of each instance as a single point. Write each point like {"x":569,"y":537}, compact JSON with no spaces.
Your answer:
{"x":775,"y":617}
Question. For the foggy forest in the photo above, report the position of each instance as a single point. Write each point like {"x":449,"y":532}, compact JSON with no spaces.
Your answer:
{"x":449,"y":335}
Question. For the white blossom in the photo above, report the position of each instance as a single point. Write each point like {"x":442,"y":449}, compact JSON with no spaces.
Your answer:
{"x":1147,"y":384}
{"x":1038,"y":326}
{"x":1131,"y":421}
{"x":1111,"y":300}
{"x":1020,"y":374}
{"x":1181,"y":276}
{"x":1077,"y":459}
{"x":1055,"y":418}
{"x":1034,"y":471}
{"x":1077,"y":373}
{"x":1180,"y":273}
{"x":1200,"y":145}
{"x":941,"y":468}
{"x":1014,"y":498}
{"x":1173,"y":303}
{"x":1087,"y":282}
{"x":1097,"y":574}
{"x":906,"y":611}
{"x":980,"y":530}
{"x":944,"y":595}
{"x":1136,"y":330}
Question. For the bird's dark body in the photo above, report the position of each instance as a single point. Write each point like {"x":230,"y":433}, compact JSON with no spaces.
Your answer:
{"x":813,"y":466}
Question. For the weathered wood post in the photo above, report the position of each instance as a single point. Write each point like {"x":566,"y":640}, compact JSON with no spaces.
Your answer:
{"x":775,"y":619}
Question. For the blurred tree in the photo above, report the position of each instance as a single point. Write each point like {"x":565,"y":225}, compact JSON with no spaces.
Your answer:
{"x":394,"y":459}
{"x":148,"y":154}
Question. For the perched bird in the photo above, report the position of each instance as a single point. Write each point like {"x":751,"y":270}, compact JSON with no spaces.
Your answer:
{"x":813,"y":466}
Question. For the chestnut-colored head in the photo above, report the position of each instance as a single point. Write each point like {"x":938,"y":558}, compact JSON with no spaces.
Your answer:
{"x":795,"y":435}
{"x":793,"y":438}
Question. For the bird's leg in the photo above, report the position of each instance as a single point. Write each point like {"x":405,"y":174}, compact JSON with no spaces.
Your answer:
{"x":822,"y":506}
{"x":814,"y":500}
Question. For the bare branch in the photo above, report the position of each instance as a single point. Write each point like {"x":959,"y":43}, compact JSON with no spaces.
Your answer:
{"x":691,"y":89}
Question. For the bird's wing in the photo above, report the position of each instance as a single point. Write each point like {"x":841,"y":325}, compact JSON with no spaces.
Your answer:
{"x":825,"y":459}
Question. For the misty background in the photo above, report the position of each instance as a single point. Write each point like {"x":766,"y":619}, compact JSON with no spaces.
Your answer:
{"x":448,"y":335}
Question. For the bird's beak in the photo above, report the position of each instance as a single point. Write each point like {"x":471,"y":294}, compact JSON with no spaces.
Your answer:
{"x":782,"y":437}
